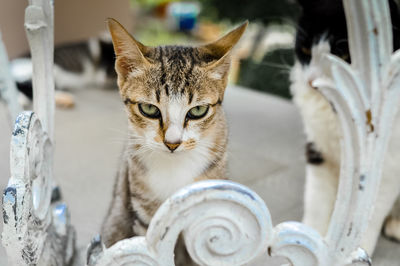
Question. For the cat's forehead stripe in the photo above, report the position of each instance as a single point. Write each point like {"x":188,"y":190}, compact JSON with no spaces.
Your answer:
{"x":176,"y":65}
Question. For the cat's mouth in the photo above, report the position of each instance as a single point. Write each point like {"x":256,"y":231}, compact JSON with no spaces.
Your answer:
{"x":174,"y":152}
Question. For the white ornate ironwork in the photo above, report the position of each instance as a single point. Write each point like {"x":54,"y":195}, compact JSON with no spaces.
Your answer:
{"x":39,"y":28}
{"x":37,"y":228}
{"x":365,"y":95}
{"x":224,"y":223}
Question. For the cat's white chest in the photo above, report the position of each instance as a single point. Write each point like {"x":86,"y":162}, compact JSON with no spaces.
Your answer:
{"x":167,"y":173}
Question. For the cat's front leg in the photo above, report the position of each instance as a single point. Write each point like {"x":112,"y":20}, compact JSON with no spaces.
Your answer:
{"x":118,"y":222}
{"x":320,"y":190}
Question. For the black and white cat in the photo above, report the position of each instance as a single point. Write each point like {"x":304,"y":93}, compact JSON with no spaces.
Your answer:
{"x":76,"y":65}
{"x":322,"y":29}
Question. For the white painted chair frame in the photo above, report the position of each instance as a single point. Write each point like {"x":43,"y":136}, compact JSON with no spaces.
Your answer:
{"x":235,"y":225}
{"x":36,"y":224}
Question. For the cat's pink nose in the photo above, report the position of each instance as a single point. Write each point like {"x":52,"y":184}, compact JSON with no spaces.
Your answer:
{"x":172,"y":146}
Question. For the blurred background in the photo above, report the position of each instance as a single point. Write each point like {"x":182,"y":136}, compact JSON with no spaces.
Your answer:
{"x":266,"y":47}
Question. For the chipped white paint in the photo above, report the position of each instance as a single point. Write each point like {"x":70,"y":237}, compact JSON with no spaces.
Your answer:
{"x":37,"y":227}
{"x":36,"y":231}
{"x":39,"y":30}
{"x":366,"y":96}
{"x":224,"y":223}
{"x":8,"y":89}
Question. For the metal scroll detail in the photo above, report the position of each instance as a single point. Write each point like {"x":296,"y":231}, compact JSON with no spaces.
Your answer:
{"x":224,"y":223}
{"x":365,"y":95}
{"x":36,"y":230}
{"x":39,"y":20}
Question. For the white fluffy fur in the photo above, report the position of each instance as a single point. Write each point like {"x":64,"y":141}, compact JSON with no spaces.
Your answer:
{"x":322,"y":128}
{"x":170,"y":172}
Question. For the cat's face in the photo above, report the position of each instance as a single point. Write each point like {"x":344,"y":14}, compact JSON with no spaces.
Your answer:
{"x":173,"y":94}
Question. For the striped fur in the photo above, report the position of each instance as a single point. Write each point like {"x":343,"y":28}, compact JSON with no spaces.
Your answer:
{"x":174,"y":79}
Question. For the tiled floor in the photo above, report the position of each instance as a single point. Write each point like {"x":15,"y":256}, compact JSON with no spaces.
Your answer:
{"x":266,"y":154}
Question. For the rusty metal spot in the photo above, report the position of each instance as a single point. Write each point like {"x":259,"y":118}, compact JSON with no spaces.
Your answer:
{"x":368,"y":114}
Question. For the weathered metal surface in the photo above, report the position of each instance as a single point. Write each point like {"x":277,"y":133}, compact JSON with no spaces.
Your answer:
{"x":37,"y":228}
{"x":8,"y":89}
{"x":223,"y":223}
{"x":366,"y":96}
{"x":36,"y":231}
{"x":39,"y":31}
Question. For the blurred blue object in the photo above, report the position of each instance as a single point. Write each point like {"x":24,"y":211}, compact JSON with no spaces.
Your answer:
{"x":187,"y":23}
{"x":184,"y":14}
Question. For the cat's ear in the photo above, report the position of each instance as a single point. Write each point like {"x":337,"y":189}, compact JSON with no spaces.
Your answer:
{"x":220,"y":50}
{"x":129,"y":52}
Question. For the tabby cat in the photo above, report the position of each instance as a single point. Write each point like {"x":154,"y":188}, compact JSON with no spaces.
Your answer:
{"x":177,"y":128}
{"x":322,"y":29}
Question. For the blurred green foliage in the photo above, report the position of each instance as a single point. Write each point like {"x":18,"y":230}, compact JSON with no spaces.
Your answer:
{"x":155,"y":33}
{"x":149,"y":3}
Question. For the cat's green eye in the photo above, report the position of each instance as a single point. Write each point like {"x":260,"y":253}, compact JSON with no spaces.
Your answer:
{"x":197,"y":112}
{"x":149,"y":110}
